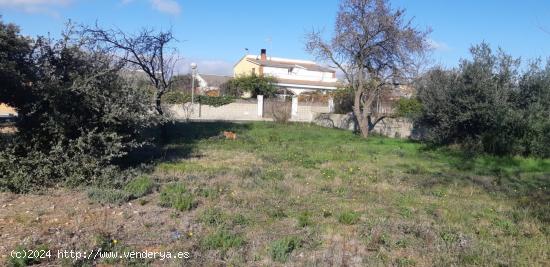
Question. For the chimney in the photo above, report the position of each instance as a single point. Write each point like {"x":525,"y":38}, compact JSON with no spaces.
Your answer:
{"x":263,"y":55}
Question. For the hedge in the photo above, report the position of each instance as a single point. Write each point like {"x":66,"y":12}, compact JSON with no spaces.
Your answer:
{"x":174,"y":97}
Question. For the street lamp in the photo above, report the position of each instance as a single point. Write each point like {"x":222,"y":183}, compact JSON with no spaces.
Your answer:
{"x":193,"y":73}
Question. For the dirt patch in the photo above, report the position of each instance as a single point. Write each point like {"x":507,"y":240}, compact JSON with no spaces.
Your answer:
{"x":63,"y":219}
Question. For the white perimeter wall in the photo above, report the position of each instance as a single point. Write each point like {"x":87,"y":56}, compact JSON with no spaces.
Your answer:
{"x":237,"y":112}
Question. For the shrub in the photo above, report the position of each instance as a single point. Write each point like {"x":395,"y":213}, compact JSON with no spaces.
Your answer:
{"x":179,"y":97}
{"x":177,"y":196}
{"x":216,"y":101}
{"x":281,"y":111}
{"x":485,"y":105}
{"x":281,"y":249}
{"x":256,"y":85}
{"x":140,"y":186}
{"x":108,"y":196}
{"x":408,"y":108}
{"x":76,"y":117}
{"x":349,"y":217}
{"x":176,"y":97}
{"x":343,"y":100}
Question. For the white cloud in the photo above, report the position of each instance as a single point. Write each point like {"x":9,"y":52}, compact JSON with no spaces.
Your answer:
{"x":438,"y":46}
{"x":167,"y":6}
{"x":206,"y":66}
{"x":35,"y":6}
{"x":171,"y":7}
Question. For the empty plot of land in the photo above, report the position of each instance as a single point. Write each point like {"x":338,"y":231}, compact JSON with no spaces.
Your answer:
{"x":299,"y":194}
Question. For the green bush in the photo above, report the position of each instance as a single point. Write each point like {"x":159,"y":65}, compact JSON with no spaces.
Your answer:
{"x":256,"y":85}
{"x":488,"y":105}
{"x":108,"y":196}
{"x":140,"y":186}
{"x":177,"y":196}
{"x":176,"y":97}
{"x":216,"y":101}
{"x":77,"y":118}
{"x":179,"y":97}
{"x":281,"y":249}
{"x":349,"y":217}
{"x":408,"y":108}
{"x":343,"y":100}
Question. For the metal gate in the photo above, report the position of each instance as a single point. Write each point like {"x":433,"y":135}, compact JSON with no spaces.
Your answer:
{"x":277,"y":108}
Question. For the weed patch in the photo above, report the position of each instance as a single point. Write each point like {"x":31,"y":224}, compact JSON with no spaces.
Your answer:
{"x":177,"y":196}
{"x":108,"y":196}
{"x":26,"y":256}
{"x":213,"y":217}
{"x":349,"y":217}
{"x":304,"y":219}
{"x":281,"y":249}
{"x":140,"y":186}
{"x":222,"y":240}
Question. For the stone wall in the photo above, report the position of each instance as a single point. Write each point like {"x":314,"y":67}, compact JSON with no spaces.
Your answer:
{"x":307,"y":113}
{"x":390,"y":127}
{"x":394,"y":127}
{"x":248,"y":111}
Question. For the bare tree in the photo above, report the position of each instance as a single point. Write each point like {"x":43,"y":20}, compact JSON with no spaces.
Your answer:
{"x":375,"y":47}
{"x":146,"y":50}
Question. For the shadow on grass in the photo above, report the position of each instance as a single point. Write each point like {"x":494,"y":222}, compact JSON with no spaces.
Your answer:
{"x":525,"y":180}
{"x":179,"y":141}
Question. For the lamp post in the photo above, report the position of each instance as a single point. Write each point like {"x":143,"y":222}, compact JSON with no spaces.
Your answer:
{"x":193,"y":73}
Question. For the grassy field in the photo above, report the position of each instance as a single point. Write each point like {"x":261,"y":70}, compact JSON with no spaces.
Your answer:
{"x":299,"y":194}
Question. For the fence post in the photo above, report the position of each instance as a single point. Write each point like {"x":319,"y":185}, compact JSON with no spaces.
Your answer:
{"x":294,"y":112}
{"x":331,"y":105}
{"x":260,"y":105}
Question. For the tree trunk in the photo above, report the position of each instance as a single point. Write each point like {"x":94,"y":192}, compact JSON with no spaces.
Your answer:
{"x":361,"y":120}
{"x":158,"y":105}
{"x":163,"y":126}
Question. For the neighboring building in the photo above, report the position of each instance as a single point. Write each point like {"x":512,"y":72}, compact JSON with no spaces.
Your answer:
{"x":296,"y":76}
{"x":386,"y":100}
{"x":209,"y":82}
{"x":7,"y":111}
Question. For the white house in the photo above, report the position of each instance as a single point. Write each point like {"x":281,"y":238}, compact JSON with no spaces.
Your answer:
{"x":209,"y":82}
{"x":293,"y":75}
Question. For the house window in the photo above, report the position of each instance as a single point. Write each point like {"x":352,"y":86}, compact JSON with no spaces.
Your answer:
{"x":253,"y":70}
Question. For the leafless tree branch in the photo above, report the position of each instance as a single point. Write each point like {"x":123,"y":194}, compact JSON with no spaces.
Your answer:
{"x":374,"y":47}
{"x":147,"y":50}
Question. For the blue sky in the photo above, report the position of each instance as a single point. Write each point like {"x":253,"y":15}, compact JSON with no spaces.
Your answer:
{"x":215,"y":33}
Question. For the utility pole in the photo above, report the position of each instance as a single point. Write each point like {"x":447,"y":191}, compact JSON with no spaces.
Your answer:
{"x":193,"y":73}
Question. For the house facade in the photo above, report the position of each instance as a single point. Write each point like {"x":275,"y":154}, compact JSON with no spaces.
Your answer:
{"x":293,"y":76}
{"x":209,"y":82}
